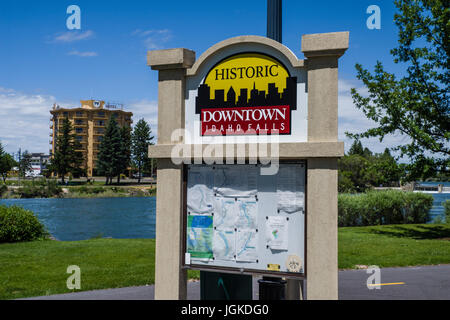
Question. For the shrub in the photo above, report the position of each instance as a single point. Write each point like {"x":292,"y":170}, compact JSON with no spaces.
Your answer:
{"x":3,"y":189}
{"x":446,"y":205}
{"x":89,"y":190}
{"x":18,"y":224}
{"x":41,"y":188}
{"x":383,"y":207}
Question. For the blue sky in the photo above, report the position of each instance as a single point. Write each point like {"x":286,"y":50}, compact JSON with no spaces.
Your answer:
{"x":42,"y":62}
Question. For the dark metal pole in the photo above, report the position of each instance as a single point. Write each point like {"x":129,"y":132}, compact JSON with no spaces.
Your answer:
{"x":274,"y":21}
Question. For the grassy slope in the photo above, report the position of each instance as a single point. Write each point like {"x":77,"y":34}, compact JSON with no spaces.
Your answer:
{"x":39,"y":267}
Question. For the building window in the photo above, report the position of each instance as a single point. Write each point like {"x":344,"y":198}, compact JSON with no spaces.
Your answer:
{"x":79,"y":138}
{"x":101,"y":114}
{"x":79,"y":114}
{"x":78,"y":121}
{"x":79,"y":130}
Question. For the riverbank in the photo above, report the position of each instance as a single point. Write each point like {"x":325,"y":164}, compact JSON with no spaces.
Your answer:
{"x":39,"y":268}
{"x":84,"y":191}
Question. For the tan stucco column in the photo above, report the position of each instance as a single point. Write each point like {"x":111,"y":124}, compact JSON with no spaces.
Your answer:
{"x":322,"y":52}
{"x":170,"y":278}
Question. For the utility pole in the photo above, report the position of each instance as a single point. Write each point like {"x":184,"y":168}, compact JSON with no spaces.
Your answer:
{"x":18,"y":166}
{"x":274,"y":20}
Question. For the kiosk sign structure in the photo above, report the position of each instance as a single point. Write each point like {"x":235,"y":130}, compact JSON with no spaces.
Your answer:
{"x":216,"y":209}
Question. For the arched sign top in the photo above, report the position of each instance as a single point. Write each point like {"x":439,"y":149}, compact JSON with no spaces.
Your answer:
{"x":247,"y":71}
{"x":236,"y":41}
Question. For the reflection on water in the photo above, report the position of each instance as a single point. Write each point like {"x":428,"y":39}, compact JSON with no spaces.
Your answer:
{"x":80,"y":219}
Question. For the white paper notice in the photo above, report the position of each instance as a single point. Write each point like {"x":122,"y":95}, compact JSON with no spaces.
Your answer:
{"x":224,"y":244}
{"x":200,"y":194}
{"x":247,"y":245}
{"x":225,"y":213}
{"x":235,"y":181}
{"x":291,"y":188}
{"x":277,"y":233}
{"x":247,"y":214}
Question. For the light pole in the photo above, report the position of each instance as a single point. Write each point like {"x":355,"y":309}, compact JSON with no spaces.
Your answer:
{"x":274,"y":20}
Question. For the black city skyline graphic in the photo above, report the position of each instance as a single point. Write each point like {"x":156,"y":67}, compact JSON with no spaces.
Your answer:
{"x":258,"y":98}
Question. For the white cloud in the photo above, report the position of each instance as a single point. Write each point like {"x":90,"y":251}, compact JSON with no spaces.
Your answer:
{"x":353,"y":120}
{"x":145,"y":109}
{"x":72,"y":36}
{"x":25,"y":120}
{"x":83,"y":54}
{"x":153,"y":39}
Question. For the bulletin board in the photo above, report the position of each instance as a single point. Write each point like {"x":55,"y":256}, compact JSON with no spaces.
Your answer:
{"x":238,"y":220}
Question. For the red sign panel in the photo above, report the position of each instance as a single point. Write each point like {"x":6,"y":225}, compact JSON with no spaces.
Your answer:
{"x":245,"y":120}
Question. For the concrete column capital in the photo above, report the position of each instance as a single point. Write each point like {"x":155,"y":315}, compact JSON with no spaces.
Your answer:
{"x":179,"y":58}
{"x":332,"y":44}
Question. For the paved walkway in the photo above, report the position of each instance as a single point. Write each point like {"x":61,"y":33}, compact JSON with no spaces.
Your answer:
{"x":418,"y":283}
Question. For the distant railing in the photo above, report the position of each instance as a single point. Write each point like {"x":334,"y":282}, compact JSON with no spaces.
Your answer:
{"x":439,"y":188}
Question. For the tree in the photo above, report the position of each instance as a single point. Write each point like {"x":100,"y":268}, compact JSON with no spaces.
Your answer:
{"x":125,"y":151}
{"x":352,"y":173}
{"x":360,"y":170}
{"x":109,"y":159}
{"x":356,"y":148}
{"x":6,"y":163}
{"x":25,"y":164}
{"x":383,"y":170}
{"x":67,"y":157}
{"x":416,"y":105}
{"x":141,"y":138}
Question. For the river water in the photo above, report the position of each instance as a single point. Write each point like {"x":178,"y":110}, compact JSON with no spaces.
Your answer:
{"x":80,"y":219}
{"x":438,"y":209}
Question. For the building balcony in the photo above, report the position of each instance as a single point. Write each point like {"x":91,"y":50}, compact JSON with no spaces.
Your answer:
{"x":100,"y":117}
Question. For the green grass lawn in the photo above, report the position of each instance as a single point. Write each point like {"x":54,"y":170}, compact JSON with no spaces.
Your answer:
{"x":394,"y":245}
{"x":39,"y":267}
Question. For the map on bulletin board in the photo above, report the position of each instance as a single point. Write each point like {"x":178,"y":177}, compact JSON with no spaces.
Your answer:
{"x":238,"y":219}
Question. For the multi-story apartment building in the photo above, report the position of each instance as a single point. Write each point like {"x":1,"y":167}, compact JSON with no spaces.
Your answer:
{"x":39,"y":163}
{"x":89,"y":122}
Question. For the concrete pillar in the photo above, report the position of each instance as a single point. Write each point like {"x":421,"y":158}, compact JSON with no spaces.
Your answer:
{"x":170,"y":278}
{"x":322,"y":52}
